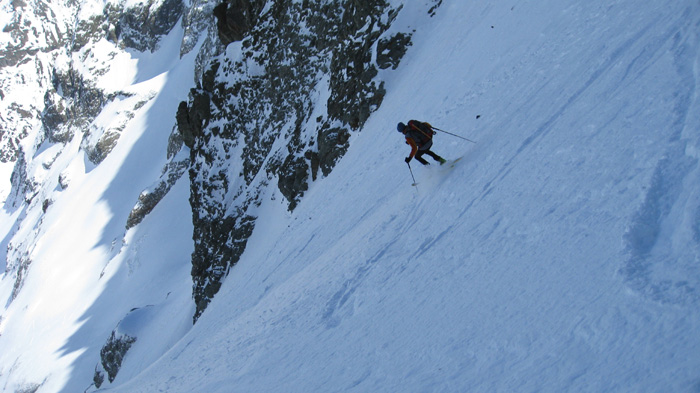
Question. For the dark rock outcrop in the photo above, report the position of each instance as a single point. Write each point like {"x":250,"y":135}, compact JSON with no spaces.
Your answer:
{"x":24,"y":188}
{"x":332,"y":144}
{"x":149,"y":198}
{"x":141,"y":27}
{"x":391,"y":50}
{"x":71,"y":105}
{"x":235,"y":18}
{"x":120,"y":341}
{"x":22,"y":270}
{"x":112,"y":355}
{"x":192,"y":119}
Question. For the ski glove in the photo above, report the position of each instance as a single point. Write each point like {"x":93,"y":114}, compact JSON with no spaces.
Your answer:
{"x":408,"y":159}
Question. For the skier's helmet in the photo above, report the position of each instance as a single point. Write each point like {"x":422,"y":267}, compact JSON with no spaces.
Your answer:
{"x":400,"y":127}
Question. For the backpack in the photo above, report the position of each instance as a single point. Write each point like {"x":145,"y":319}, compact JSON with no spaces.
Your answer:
{"x":420,"y":132}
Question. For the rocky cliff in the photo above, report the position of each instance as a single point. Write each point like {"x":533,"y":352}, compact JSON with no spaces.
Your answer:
{"x":276,"y":109}
{"x":281,"y":86}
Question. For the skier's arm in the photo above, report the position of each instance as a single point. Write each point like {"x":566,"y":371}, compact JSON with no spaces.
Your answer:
{"x":414,"y":148}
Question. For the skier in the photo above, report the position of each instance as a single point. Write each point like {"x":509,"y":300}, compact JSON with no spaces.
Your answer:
{"x":419,"y":136}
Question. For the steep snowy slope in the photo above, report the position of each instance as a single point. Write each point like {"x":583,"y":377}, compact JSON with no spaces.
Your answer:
{"x":561,"y":253}
{"x":81,"y":270}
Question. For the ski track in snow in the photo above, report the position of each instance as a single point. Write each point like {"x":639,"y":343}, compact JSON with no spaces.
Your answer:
{"x":664,"y":259}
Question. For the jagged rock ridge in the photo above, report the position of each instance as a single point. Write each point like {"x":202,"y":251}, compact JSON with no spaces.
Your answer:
{"x":256,"y":118}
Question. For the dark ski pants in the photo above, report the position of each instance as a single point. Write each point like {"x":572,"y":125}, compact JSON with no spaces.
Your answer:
{"x":420,"y":159}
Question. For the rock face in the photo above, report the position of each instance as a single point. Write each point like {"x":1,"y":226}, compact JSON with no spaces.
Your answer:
{"x":112,"y":355}
{"x":124,"y":335}
{"x":391,"y":50}
{"x":150,"y":197}
{"x":234,"y":19}
{"x":256,"y":119}
{"x":70,"y":105}
{"x":141,"y":26}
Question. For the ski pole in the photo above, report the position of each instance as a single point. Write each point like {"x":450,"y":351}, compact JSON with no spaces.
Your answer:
{"x":449,"y":133}
{"x":412,"y":177}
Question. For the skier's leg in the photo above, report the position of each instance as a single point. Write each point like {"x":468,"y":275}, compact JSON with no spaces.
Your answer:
{"x":435,"y":156}
{"x":419,"y":158}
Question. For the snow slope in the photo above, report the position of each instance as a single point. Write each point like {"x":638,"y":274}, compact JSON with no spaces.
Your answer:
{"x":87,"y":272}
{"x":560,"y":254}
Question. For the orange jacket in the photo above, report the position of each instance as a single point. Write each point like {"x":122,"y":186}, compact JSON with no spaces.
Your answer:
{"x":414,"y":147}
